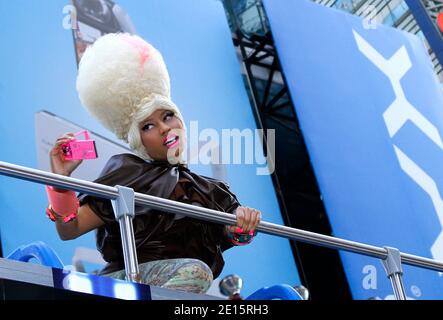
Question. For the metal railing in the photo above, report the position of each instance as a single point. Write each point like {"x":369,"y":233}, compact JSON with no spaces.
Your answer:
{"x":123,"y":200}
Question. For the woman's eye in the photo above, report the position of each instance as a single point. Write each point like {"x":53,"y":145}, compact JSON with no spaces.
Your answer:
{"x":147,"y":126}
{"x":169,"y":115}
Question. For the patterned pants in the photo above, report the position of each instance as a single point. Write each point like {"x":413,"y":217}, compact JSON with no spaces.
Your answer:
{"x":189,"y":275}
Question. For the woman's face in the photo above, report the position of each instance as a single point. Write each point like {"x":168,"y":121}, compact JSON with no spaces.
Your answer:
{"x":160,"y":134}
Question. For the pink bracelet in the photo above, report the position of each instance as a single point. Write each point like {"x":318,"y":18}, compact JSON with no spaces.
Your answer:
{"x":52,"y":215}
{"x":64,"y":204}
{"x":240,"y":238}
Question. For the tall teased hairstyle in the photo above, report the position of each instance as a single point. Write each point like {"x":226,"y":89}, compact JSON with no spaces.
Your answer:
{"x":121,"y":81}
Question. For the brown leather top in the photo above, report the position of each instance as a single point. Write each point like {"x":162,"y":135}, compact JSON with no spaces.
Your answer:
{"x":160,"y":235}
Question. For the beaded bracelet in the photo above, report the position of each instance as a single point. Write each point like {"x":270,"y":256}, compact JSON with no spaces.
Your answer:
{"x":53,"y":216}
{"x":62,"y":204}
{"x":240,"y":238}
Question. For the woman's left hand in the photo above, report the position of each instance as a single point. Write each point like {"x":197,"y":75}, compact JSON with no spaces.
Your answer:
{"x":247,"y":219}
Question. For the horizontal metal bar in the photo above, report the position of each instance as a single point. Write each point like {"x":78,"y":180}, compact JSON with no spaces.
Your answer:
{"x":210,"y":215}
{"x":59,"y":181}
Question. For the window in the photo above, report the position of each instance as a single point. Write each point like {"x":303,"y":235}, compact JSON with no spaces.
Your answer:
{"x":396,"y":13}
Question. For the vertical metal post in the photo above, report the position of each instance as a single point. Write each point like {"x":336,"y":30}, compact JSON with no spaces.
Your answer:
{"x":124,"y":213}
{"x":393,"y":268}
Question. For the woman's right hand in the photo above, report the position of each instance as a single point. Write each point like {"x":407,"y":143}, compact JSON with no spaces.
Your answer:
{"x":58,"y":163}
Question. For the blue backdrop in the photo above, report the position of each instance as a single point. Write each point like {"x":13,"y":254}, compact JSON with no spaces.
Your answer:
{"x":38,"y":71}
{"x":379,"y":171}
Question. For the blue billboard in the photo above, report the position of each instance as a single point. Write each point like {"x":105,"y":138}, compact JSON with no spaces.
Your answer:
{"x":38,"y":96}
{"x":370,"y":110}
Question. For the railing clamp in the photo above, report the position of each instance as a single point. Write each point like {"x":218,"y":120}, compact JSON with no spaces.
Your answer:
{"x":394,"y":271}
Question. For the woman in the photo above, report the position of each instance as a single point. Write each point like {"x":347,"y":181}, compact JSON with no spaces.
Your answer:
{"x":124,"y":83}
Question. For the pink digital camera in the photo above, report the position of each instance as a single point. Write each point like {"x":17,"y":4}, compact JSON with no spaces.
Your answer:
{"x":80,"y":149}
